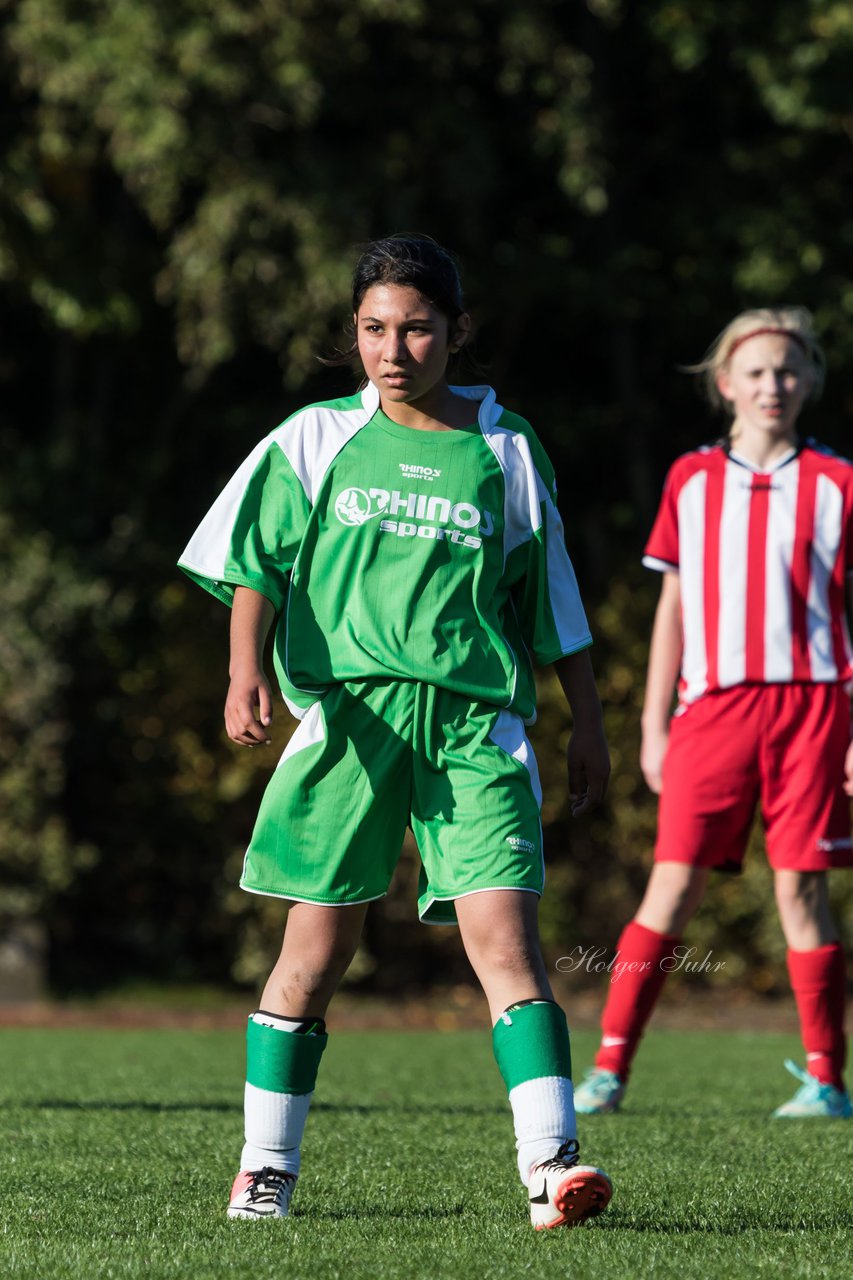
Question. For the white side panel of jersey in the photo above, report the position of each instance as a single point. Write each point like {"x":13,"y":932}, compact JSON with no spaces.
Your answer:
{"x":572,"y":626}
{"x":779,"y":557}
{"x":734,"y":539}
{"x":525,"y":493}
{"x":570,"y":617}
{"x":312,"y":439}
{"x":691,"y":555}
{"x":207,"y":550}
{"x":826,"y":541}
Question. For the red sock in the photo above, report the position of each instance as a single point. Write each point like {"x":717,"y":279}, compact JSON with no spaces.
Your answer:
{"x":818,"y":981}
{"x":635,"y":985}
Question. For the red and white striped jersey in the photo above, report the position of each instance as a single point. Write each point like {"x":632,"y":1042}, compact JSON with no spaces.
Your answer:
{"x":762,"y":558}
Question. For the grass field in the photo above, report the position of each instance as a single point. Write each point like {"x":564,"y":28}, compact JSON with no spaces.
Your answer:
{"x":118,"y":1150}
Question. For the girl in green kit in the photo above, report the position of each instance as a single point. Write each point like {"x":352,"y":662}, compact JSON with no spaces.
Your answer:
{"x":405,"y":543}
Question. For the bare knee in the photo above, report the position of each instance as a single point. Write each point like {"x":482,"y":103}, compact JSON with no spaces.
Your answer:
{"x":798,"y":891}
{"x":303,"y":985}
{"x":500,"y":932}
{"x":502,"y":958}
{"x":318,"y":948}
{"x":312,"y":970}
{"x":673,"y":893}
{"x":509,"y":972}
{"x":803,"y":903}
{"x":501,"y":939}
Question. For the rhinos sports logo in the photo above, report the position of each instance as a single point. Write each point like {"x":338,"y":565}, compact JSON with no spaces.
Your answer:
{"x":467,"y":525}
{"x":352,"y":507}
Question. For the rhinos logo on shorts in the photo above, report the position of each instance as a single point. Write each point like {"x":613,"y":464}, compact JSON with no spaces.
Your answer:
{"x":354,"y":507}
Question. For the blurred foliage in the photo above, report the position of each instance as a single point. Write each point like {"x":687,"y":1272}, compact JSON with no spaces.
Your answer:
{"x":45,"y":601}
{"x":183,"y":187}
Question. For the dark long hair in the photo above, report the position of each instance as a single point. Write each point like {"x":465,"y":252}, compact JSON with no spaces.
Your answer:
{"x":411,"y":260}
{"x":414,"y":260}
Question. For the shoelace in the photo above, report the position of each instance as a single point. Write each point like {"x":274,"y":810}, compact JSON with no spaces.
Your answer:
{"x":567,"y":1156}
{"x":797,"y":1072}
{"x":810,"y":1087}
{"x":267,"y":1184}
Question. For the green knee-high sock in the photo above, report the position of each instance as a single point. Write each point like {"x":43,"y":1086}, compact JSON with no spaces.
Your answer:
{"x":531,"y":1044}
{"x":281,"y":1071}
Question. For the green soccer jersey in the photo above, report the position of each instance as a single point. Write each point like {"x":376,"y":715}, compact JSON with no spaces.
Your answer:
{"x":388,"y":552}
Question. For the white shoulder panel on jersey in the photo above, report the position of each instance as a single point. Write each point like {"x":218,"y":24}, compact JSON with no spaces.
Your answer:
{"x":524,"y":488}
{"x":312,"y":438}
{"x":207,"y":551}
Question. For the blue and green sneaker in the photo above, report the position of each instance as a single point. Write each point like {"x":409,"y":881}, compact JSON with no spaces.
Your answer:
{"x":600,"y":1091}
{"x":814,"y":1098}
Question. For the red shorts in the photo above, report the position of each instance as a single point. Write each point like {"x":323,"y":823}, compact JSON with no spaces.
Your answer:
{"x":782,"y":745}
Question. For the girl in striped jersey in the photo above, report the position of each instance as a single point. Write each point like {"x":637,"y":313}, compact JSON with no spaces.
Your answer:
{"x":754,"y":539}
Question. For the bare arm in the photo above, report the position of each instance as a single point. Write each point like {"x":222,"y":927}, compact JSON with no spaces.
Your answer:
{"x":588,"y":757}
{"x":249,"y":691}
{"x":664,"y":666}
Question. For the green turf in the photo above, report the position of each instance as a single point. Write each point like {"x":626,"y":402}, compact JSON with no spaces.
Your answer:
{"x":118,"y":1148}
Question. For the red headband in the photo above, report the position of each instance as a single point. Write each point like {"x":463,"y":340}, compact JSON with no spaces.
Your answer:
{"x":753,"y":333}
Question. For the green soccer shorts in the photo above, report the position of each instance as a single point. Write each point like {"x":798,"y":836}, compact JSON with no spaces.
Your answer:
{"x":371,"y":758}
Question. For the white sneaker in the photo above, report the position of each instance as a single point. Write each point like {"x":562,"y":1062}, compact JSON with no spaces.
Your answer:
{"x":564,"y":1193}
{"x":263,"y":1194}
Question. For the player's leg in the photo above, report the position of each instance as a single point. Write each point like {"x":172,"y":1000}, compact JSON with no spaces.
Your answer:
{"x":500,"y":932}
{"x":531,"y":1044}
{"x":646,"y":944}
{"x":327,"y":839}
{"x":709,"y":792}
{"x":285,"y":1041}
{"x":530,"y":1037}
{"x":816,"y":969}
{"x":318,"y":947}
{"x":807,"y":820}
{"x":476,"y":817}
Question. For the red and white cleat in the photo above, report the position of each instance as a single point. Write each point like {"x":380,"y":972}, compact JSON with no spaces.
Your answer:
{"x":564,"y":1193}
{"x":262,"y":1194}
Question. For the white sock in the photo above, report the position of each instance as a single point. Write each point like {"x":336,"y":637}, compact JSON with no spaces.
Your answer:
{"x":543,"y":1113}
{"x":275,"y":1123}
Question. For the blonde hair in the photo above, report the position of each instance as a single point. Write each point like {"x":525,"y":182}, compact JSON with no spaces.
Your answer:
{"x":795,"y":321}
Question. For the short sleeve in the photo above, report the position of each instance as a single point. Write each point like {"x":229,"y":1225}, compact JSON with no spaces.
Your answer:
{"x":662,"y":551}
{"x":251,"y":535}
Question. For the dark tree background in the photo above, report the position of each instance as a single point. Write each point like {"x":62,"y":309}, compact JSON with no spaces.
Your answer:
{"x":184,"y":184}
